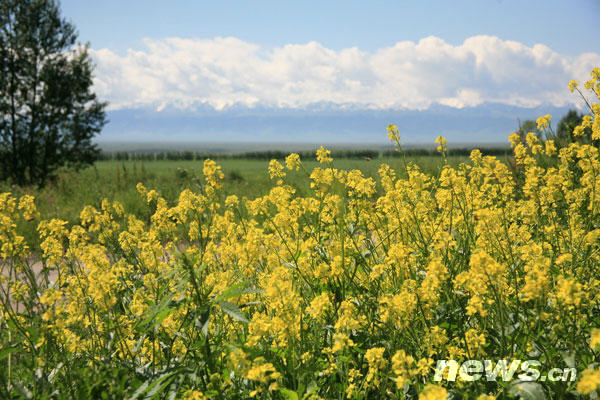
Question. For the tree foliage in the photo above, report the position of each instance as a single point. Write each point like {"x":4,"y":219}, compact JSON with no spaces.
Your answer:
{"x":565,"y":130}
{"x":48,"y":112}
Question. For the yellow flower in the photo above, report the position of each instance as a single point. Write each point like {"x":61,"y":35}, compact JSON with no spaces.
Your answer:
{"x":194,"y":395}
{"x":476,"y":156}
{"x":212,"y":173}
{"x":262,"y":372}
{"x":376,"y":363}
{"x":276,"y":171}
{"x":324,"y":155}
{"x":442,"y":144}
{"x":572,"y":85}
{"x":543,"y":122}
{"x":319,"y":305}
{"x":433,"y":392}
{"x":402,"y":366}
{"x":27,"y":206}
{"x":589,"y":382}
{"x":475,"y":341}
{"x":232,"y":201}
{"x":392,"y":132}
{"x":568,"y":291}
{"x":375,"y":358}
{"x":141,"y":189}
{"x":514,"y":139}
{"x":550,"y":148}
{"x":293,"y":162}
{"x":151,"y":196}
{"x":377,"y":271}
{"x":341,"y":341}
{"x":564,"y":259}
{"x":424,"y":366}
{"x":531,"y":139}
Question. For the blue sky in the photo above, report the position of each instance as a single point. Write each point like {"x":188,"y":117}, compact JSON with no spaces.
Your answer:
{"x":569,"y":27}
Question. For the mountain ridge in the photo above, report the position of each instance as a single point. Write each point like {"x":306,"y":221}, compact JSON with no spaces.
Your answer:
{"x":322,"y":122}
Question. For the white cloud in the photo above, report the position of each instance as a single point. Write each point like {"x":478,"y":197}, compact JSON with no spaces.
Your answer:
{"x":221,"y":72}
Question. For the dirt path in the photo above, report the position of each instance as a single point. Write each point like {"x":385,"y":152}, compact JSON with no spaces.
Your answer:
{"x":37,"y":268}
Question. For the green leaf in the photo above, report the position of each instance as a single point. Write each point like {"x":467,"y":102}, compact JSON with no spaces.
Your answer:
{"x":232,"y":310}
{"x":159,"y":312}
{"x":140,"y":390}
{"x":288,"y":394}
{"x":203,"y":320}
{"x":152,"y":388}
{"x":160,"y":384}
{"x":312,"y":387}
{"x":7,"y":351}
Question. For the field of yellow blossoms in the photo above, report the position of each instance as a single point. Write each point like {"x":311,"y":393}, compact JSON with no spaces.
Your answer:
{"x":352,"y":292}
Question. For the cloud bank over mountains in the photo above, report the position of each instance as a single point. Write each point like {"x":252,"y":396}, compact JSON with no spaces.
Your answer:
{"x":220,"y":73}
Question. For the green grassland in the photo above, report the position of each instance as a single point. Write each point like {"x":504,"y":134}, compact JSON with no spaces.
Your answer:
{"x":65,"y":197}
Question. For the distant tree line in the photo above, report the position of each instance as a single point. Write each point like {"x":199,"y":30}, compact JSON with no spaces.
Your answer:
{"x":280,"y":155}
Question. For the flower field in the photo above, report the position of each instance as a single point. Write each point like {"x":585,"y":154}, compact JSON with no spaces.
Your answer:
{"x":353,"y":291}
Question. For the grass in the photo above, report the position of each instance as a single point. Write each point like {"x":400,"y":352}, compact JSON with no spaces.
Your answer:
{"x":71,"y":191}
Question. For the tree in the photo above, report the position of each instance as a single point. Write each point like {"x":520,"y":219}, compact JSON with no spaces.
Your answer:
{"x":565,"y":129}
{"x":566,"y":126}
{"x":48,"y":112}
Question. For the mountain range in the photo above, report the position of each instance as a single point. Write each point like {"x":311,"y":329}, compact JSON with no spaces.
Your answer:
{"x":321,"y":123}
